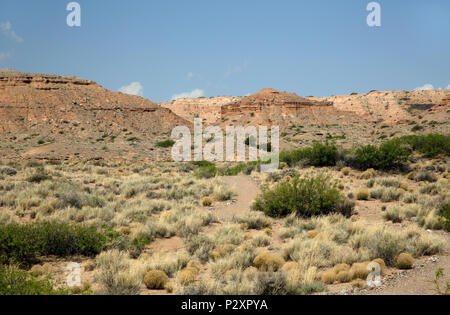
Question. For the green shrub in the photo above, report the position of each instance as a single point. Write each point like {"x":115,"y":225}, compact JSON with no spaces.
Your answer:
{"x":23,"y":243}
{"x":165,"y":144}
{"x":430,"y":145}
{"x":445,"y":220}
{"x":6,"y":170}
{"x":391,"y":154}
{"x":318,"y":154}
{"x":206,"y":169}
{"x":14,"y":281}
{"x":304,"y":196}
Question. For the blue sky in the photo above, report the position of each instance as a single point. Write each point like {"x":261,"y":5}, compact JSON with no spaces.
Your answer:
{"x":232,"y":47}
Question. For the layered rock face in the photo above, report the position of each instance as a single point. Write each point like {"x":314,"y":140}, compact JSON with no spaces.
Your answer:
{"x":388,"y":106}
{"x":270,"y":102}
{"x":444,"y":106}
{"x":207,"y":108}
{"x":45,"y":102}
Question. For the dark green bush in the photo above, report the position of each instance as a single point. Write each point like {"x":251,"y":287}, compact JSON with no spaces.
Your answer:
{"x":165,"y":144}
{"x":445,"y":220}
{"x":318,"y":154}
{"x":24,"y":243}
{"x":304,"y":196}
{"x":391,"y":154}
{"x":14,"y":281}
{"x":431,"y":145}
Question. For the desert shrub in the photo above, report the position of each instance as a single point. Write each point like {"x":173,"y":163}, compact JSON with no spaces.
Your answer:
{"x":431,"y":145}
{"x":199,"y":246}
{"x":425,"y":176}
{"x":22,"y":243}
{"x":318,"y":154}
{"x":255,"y":220}
{"x":359,"y":271}
{"x":207,"y":202}
{"x":39,"y":176}
{"x":222,"y":193}
{"x":344,"y":277}
{"x":155,"y":280}
{"x":117,"y":274}
{"x":386,"y":194}
{"x":405,"y":261}
{"x":393,"y":214}
{"x":362,"y":194}
{"x":170,"y":264}
{"x":6,"y":170}
{"x":328,"y":277}
{"x":271,"y":283}
{"x":368,"y":174}
{"x":445,"y":220}
{"x":165,"y":144}
{"x":305,"y":197}
{"x":390,"y":154}
{"x":14,"y":281}
{"x":206,"y":170}
{"x":187,"y":276}
{"x":268,"y":261}
{"x":341,"y":267}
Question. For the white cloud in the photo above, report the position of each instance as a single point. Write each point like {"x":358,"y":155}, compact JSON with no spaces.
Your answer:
{"x":193,"y":94}
{"x":426,"y":87}
{"x":448,"y":87}
{"x":190,"y":75}
{"x":7,"y":30}
{"x":134,"y":88}
{"x":236,"y":69}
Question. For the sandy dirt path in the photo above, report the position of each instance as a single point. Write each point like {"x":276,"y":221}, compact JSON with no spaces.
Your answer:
{"x":246,"y":191}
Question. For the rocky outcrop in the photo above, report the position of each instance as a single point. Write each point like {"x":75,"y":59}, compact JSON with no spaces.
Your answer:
{"x":50,"y":102}
{"x":388,"y":106}
{"x":207,"y":108}
{"x":270,"y":102}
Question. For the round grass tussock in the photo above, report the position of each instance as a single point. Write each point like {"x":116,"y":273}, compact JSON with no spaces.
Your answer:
{"x":268,"y":261}
{"x":156,"y":280}
{"x":187,"y":276}
{"x":405,"y":261}
{"x":344,"y":277}
{"x":328,"y":277}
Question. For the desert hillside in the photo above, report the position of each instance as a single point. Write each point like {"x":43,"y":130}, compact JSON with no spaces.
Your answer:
{"x":71,"y":116}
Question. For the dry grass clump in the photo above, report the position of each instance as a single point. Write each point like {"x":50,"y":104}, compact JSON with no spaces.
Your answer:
{"x":405,"y":261}
{"x":341,"y":267}
{"x":40,"y":270}
{"x":221,"y":250}
{"x":360,"y":271}
{"x":290,"y":266}
{"x":362,"y":194}
{"x":187,"y":276}
{"x":118,"y":274}
{"x":255,"y":220}
{"x":240,"y":259}
{"x":207,"y":202}
{"x":328,"y":277}
{"x":346,"y":171}
{"x":386,"y":194}
{"x":344,"y":277}
{"x":261,"y":240}
{"x":359,"y":284}
{"x":268,"y":261}
{"x":312,"y":234}
{"x":368,"y":174}
{"x":230,"y":234}
{"x":155,"y":280}
{"x":169,"y":263}
{"x":425,"y":176}
{"x":222,"y":192}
